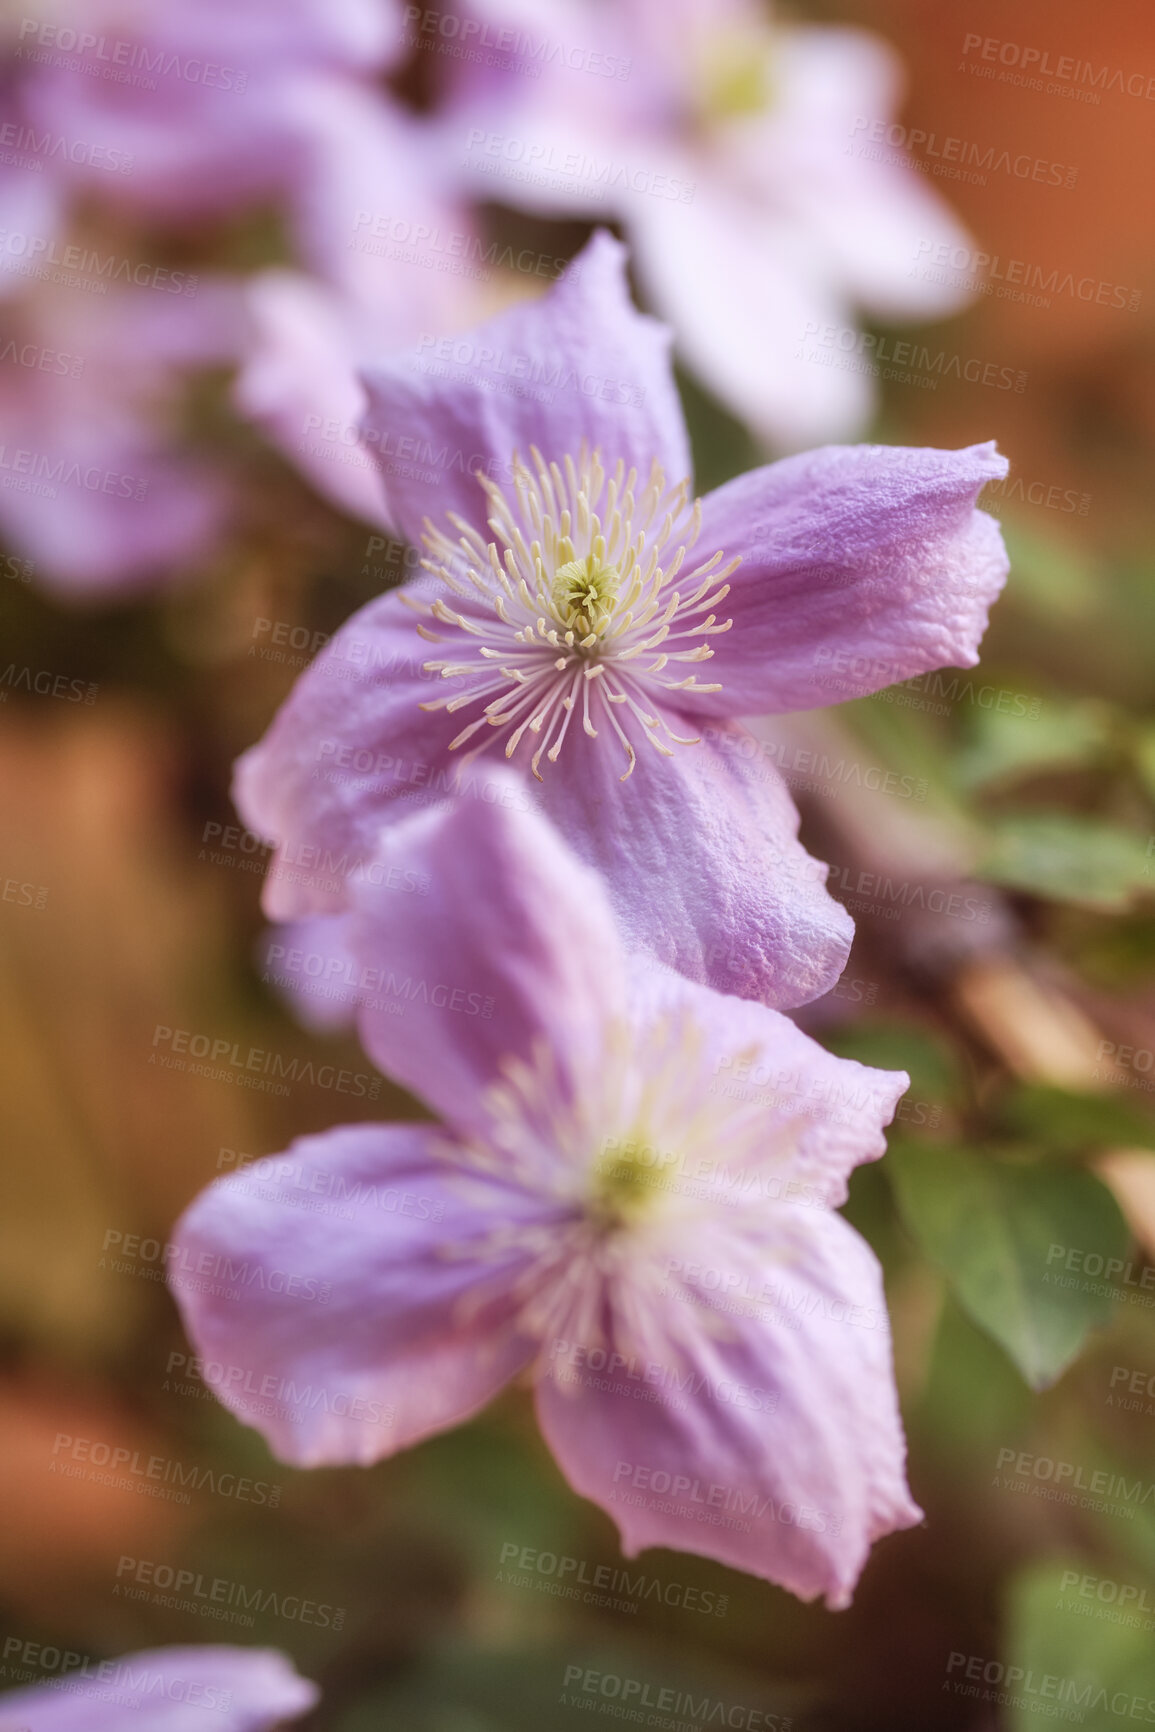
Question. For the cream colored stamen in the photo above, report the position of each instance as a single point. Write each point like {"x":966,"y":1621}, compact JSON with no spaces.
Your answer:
{"x":572,"y":607}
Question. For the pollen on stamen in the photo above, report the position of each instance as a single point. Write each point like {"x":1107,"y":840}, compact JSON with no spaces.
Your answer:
{"x":575,"y":595}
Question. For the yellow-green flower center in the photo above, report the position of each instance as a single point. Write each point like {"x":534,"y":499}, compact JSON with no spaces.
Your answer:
{"x":736,"y":76}
{"x":585,"y":593}
{"x":592,"y":613}
{"x":625,"y":1182}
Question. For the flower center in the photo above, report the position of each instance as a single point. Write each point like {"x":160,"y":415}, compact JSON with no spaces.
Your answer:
{"x":585,"y":594}
{"x":736,"y":75}
{"x":580,"y":604}
{"x":614,"y":1205}
{"x":624,"y":1185}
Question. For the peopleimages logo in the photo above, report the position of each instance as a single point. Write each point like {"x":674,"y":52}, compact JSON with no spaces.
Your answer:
{"x":565,"y":1576}
{"x":652,"y":1381}
{"x":211,"y":1272}
{"x":635,"y":1693}
{"x":1140,"y":1396}
{"x":1068,"y":1482}
{"x":120,"y":59}
{"x":1036,"y":64}
{"x":40,"y":251}
{"x":1114,"y":1602}
{"x":282,"y":1397}
{"x":505,"y":45}
{"x":135,"y":1677}
{"x":228,"y":1061}
{"x":718,"y":1504}
{"x":151,"y":1474}
{"x":217,"y":1594}
{"x":1017,"y":279}
{"x":1041,"y":1692}
{"x":954,"y":158}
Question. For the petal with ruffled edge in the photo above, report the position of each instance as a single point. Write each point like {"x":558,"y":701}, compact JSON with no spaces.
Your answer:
{"x":705,"y":872}
{"x":507,"y":947}
{"x":775,"y":1443}
{"x":580,"y":364}
{"x":831,"y":1111}
{"x":346,"y":1297}
{"x":861,"y":566}
{"x":193,"y":1689}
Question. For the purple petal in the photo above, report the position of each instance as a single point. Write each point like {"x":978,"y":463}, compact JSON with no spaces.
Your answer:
{"x":376,"y":211}
{"x":835,"y":1107}
{"x":309,"y":965}
{"x":298,"y":384}
{"x":740,"y":283}
{"x":703,"y":865}
{"x":867,"y":219}
{"x":350,"y":745}
{"x":327,"y":1291}
{"x":774,"y":1442}
{"x":861,"y":566}
{"x":580,"y":364}
{"x":508,"y":945}
{"x":698,"y":850}
{"x":193,"y":1689}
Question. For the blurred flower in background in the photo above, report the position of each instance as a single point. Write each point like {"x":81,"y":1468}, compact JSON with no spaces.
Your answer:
{"x":135,"y":132}
{"x":163,"y":1690}
{"x":722,"y":140}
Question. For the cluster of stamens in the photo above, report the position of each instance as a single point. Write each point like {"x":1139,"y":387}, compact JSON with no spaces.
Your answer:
{"x":578,"y":605}
{"x":622,"y":1165}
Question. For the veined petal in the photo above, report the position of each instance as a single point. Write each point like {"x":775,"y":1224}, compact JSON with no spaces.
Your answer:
{"x":705,"y":872}
{"x":831,"y":1111}
{"x":774,"y":1444}
{"x":328,"y":1291}
{"x":579,"y":365}
{"x":861,"y":566}
{"x":187,"y":1689}
{"x":509,"y":947}
{"x":350,"y":745}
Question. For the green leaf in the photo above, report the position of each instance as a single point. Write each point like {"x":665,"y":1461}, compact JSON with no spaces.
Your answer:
{"x":1050,"y":576}
{"x":1075,"y":1652}
{"x":1068,"y":859}
{"x":989,"y":1226}
{"x":1030,"y":738}
{"x":931,"y":1064}
{"x":1072,"y":1124}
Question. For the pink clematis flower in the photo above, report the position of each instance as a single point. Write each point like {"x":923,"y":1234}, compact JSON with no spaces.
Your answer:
{"x":223,"y":105}
{"x":585,"y":617}
{"x":737,"y":151}
{"x":212,"y":103}
{"x":194,"y":1689}
{"x":632,"y":1189}
{"x":98,"y":491}
{"x":388,"y":245}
